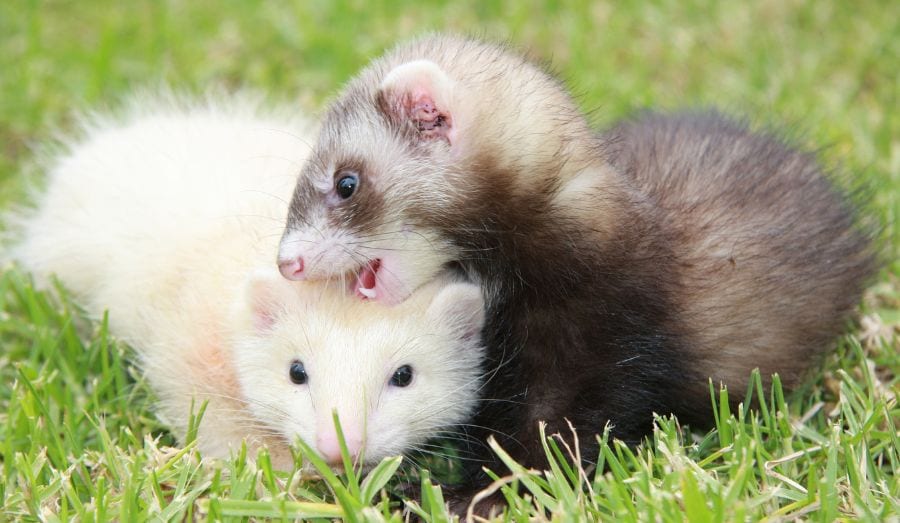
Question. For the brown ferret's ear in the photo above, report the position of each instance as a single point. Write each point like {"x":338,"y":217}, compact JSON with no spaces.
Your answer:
{"x":420,"y":93}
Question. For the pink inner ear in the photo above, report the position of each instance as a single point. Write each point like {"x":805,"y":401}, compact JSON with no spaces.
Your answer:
{"x":419,"y":108}
{"x":428,"y":118}
{"x":418,"y":92}
{"x":264,"y":301}
{"x":267,"y":294}
{"x":263,"y":316}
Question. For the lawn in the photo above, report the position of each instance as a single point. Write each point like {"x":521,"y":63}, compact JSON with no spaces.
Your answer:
{"x":79,"y":441}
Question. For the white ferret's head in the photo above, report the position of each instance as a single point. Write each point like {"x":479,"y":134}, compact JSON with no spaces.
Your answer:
{"x":396,"y":376}
{"x":425,"y":146}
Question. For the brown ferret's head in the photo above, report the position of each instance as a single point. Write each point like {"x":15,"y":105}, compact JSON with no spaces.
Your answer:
{"x":435,"y":134}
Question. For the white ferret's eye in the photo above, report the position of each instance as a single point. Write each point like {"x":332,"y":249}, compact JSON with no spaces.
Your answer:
{"x":298,"y":372}
{"x":402,"y":376}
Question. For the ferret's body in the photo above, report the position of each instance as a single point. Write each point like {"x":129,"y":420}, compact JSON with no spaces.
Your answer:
{"x":125,"y":206}
{"x":165,"y":217}
{"x":768,"y":256}
{"x":621,"y":270}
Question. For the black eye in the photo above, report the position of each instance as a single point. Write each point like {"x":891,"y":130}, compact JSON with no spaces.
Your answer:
{"x":346,"y":184}
{"x":298,"y":373}
{"x":402,"y":376}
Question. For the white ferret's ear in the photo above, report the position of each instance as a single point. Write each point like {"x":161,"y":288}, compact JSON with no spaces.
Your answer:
{"x":420,"y":92}
{"x":459,"y":306}
{"x":266,"y":294}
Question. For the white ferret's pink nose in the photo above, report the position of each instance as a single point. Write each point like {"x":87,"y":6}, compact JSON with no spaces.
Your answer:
{"x":292,"y":269}
{"x":330,"y":448}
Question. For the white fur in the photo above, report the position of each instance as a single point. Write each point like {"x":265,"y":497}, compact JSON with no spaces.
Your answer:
{"x":330,"y":251}
{"x":351,"y":349}
{"x":164,"y":216}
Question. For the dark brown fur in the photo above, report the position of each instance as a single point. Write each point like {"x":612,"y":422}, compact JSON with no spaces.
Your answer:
{"x":767,"y":249}
{"x":621,"y":270}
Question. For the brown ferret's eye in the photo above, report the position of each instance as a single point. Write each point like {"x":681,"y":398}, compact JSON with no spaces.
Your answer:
{"x":346,"y":184}
{"x":402,"y":376}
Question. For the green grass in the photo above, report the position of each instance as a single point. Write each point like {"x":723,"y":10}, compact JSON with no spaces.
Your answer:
{"x":79,"y":441}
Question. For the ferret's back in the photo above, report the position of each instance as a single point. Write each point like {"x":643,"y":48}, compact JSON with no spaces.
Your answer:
{"x":767,"y":249}
{"x":160,"y":195}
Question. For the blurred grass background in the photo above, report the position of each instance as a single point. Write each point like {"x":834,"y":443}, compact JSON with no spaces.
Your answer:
{"x":827,"y":72}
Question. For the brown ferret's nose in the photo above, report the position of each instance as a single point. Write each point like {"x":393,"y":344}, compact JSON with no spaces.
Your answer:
{"x":292,"y":269}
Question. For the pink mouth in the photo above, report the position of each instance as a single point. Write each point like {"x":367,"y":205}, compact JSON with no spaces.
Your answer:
{"x":366,"y":281}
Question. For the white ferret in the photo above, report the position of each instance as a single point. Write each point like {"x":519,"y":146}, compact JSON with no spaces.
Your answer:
{"x":165,"y":217}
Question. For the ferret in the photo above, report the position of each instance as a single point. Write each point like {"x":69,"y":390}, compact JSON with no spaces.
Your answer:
{"x":169,"y":218}
{"x":621,"y":270}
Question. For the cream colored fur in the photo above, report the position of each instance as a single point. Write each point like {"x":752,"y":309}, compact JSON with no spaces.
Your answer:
{"x":169,"y":217}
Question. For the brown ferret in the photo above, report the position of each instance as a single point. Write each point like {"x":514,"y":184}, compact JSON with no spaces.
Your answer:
{"x":622,"y":270}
